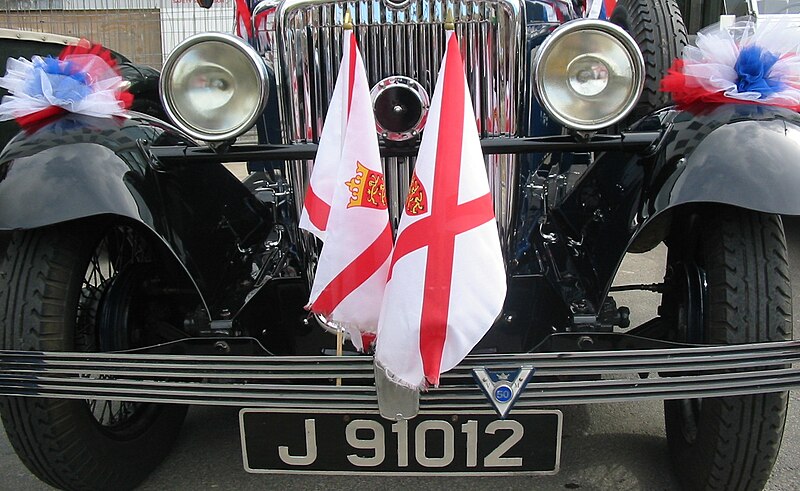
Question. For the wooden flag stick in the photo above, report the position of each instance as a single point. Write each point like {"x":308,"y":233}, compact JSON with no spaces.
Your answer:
{"x":339,"y":344}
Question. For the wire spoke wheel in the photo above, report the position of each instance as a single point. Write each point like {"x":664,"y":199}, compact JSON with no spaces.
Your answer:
{"x":85,"y":289}
{"x":112,"y":414}
{"x":121,"y":249}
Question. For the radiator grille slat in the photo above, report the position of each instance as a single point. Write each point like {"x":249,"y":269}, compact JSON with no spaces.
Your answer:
{"x":407,"y":41}
{"x":404,"y":40}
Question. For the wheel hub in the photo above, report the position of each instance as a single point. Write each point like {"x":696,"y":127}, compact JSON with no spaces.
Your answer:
{"x":691,"y":291}
{"x":119,"y":322}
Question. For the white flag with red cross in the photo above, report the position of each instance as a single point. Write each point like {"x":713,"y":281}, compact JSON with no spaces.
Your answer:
{"x":447,"y":281}
{"x":244,"y":23}
{"x":599,"y":9}
{"x":322,"y":182}
{"x":346,"y":207}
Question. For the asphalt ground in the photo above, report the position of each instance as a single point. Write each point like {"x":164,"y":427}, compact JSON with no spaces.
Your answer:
{"x":619,"y":446}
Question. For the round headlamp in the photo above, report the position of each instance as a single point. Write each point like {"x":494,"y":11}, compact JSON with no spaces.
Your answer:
{"x":214,"y":86}
{"x":589,"y":74}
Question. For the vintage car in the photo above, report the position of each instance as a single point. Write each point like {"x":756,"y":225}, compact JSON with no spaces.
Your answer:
{"x":141,"y":276}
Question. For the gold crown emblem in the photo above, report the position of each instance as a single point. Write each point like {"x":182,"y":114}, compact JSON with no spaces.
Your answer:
{"x":367,"y":189}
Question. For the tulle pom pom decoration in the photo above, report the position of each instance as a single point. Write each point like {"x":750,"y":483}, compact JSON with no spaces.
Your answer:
{"x":84,"y":79}
{"x":748,"y":62}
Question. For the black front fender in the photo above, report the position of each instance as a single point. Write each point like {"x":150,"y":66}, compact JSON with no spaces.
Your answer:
{"x":75,"y":168}
{"x":63,"y":181}
{"x":743,"y":155}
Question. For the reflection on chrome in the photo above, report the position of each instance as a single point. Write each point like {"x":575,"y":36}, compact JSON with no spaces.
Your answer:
{"x":404,"y":39}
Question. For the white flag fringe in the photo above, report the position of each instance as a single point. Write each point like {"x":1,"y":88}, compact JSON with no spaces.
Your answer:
{"x":447,"y":280}
{"x":346,"y":207}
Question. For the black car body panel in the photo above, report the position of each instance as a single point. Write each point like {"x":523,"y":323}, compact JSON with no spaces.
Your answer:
{"x":568,"y":245}
{"x":737,"y":155}
{"x":80,"y":167}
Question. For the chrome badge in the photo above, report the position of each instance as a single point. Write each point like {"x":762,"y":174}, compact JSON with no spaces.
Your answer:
{"x":502,"y":387}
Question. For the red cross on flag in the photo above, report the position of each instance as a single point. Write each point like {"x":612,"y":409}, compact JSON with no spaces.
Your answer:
{"x":319,"y":194}
{"x":345,"y":206}
{"x":244,"y":24}
{"x":599,"y":9}
{"x":447,"y":281}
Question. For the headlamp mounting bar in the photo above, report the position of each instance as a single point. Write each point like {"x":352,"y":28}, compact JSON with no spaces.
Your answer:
{"x":638,"y":142}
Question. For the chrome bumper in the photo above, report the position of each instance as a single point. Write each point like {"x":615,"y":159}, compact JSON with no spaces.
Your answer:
{"x":308,"y":382}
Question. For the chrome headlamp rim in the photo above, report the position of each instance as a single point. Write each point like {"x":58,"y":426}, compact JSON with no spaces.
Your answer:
{"x":620,"y":35}
{"x":253,"y":58}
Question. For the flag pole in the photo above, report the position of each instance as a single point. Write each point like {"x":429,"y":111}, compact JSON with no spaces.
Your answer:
{"x":449,"y":20}
{"x":339,"y":343}
{"x":347,"y":25}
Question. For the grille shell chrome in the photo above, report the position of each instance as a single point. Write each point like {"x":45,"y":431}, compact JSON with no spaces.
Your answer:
{"x":402,"y":39}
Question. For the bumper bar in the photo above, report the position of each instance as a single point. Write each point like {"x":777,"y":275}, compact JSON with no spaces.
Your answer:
{"x":307,"y":382}
{"x":628,"y":142}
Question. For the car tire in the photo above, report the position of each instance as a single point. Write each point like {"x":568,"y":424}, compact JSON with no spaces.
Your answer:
{"x":658,"y":28}
{"x":43,"y":294}
{"x":732,"y":443}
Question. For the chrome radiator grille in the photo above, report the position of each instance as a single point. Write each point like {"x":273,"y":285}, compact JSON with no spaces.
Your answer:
{"x":402,"y":38}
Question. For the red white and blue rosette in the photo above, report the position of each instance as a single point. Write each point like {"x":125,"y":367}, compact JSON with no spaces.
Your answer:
{"x":748,"y":62}
{"x":84,"y":79}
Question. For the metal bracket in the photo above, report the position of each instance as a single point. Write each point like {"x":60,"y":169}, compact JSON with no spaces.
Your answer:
{"x":395,"y":402}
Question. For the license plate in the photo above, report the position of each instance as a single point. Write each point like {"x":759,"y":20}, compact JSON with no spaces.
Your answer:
{"x":300,"y":441}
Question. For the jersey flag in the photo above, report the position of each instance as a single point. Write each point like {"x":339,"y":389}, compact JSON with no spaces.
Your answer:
{"x":346,"y":207}
{"x":447,"y":281}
